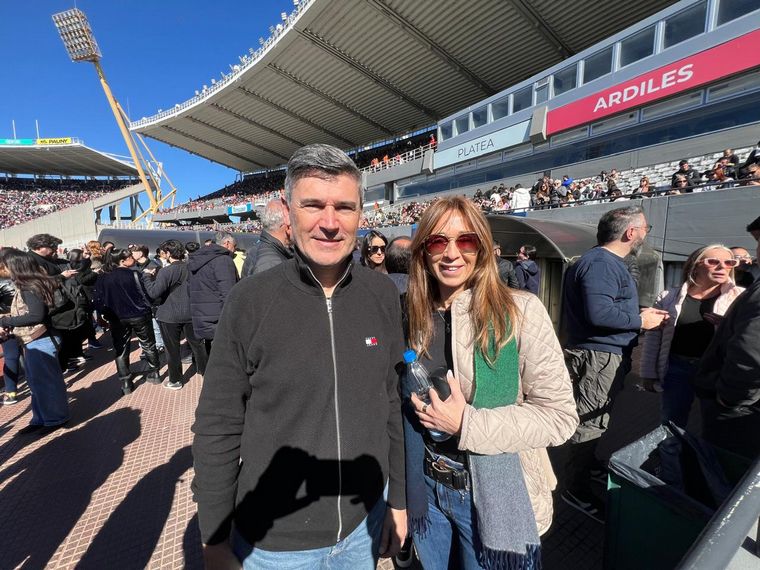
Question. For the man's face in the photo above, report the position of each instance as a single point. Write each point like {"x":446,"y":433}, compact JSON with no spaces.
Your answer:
{"x":640,"y":229}
{"x":324,"y":217}
{"x":685,"y":166}
{"x":45,"y":251}
{"x":137,"y":255}
{"x":229,"y":245}
{"x":521,"y":255}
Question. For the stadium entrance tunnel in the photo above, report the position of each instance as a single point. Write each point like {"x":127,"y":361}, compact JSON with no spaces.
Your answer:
{"x":558,"y":245}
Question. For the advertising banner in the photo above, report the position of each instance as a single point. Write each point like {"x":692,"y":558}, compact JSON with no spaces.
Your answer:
{"x":486,"y":144}
{"x":730,"y":58}
{"x":63,"y":140}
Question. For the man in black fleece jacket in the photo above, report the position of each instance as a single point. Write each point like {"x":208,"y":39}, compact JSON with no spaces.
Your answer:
{"x":298,"y":437}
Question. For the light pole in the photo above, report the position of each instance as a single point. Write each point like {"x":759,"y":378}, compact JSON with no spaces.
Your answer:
{"x":79,"y":41}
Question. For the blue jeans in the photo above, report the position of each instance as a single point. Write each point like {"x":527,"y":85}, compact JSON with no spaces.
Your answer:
{"x":451,"y":517}
{"x":360,"y":550}
{"x":11,"y":354}
{"x":677,"y":393}
{"x":50,"y":403}
{"x":157,"y":334}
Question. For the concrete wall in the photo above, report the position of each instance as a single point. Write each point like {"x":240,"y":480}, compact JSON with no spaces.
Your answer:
{"x":74,"y":225}
{"x":683,"y":223}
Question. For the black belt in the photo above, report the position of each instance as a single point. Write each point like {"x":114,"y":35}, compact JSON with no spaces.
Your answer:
{"x":440,"y":472}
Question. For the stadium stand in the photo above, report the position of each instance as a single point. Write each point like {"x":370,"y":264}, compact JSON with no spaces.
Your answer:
{"x":24,"y":199}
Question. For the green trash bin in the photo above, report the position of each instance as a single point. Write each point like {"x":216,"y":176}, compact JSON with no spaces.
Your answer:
{"x":650,"y":524}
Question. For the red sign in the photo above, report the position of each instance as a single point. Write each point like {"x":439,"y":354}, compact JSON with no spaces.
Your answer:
{"x":732,"y":57}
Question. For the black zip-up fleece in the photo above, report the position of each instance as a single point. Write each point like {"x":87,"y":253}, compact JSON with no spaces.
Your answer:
{"x":295,"y":463}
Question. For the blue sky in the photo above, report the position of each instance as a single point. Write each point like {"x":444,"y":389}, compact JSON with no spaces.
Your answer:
{"x":155,"y":54}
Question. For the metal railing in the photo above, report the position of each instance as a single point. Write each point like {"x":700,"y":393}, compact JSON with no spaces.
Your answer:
{"x":398,"y":159}
{"x":719,"y":542}
{"x":247,"y":61}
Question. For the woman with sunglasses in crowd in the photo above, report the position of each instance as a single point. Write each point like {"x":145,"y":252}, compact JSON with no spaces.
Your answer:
{"x":373,"y":251}
{"x":511,"y":397}
{"x":670,"y":355}
{"x":28,"y":323}
{"x":120,"y":298}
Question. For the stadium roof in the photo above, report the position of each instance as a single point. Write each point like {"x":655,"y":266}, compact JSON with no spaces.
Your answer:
{"x":350,"y":73}
{"x":72,"y":159}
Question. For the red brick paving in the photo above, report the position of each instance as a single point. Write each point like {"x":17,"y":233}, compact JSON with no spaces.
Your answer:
{"x":112,"y":489}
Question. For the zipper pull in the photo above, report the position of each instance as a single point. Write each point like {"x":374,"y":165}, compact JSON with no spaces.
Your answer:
{"x":329,"y":304}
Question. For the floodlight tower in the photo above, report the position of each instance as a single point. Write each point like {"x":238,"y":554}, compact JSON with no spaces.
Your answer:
{"x":79,"y":41}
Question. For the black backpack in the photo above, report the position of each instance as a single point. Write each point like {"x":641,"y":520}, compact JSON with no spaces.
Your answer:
{"x":70,"y":306}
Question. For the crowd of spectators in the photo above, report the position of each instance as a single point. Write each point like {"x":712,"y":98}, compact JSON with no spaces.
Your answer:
{"x":711,"y":173}
{"x":24,"y":199}
{"x":262,"y":187}
{"x":265,"y":186}
{"x":395,"y":153}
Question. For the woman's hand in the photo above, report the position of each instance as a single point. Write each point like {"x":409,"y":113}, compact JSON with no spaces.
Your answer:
{"x":442,"y":415}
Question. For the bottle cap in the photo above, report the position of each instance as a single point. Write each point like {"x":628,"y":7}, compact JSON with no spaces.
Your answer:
{"x":409,"y":356}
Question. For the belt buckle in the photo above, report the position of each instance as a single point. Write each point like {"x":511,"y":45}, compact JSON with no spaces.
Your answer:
{"x":440,"y":466}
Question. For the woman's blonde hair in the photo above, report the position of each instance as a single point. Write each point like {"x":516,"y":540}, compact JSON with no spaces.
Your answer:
{"x":690,"y":267}
{"x":492,"y":309}
{"x":95,"y":249}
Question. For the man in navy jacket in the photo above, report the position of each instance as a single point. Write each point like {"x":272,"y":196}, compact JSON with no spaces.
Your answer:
{"x":601,"y":323}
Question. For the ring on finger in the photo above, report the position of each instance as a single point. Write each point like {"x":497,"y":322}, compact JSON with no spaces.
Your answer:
{"x":424,"y":409}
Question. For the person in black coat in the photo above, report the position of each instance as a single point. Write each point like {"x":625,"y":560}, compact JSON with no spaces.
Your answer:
{"x":212,"y":276}
{"x":119,"y":296}
{"x":169,"y":288}
{"x":506,"y":269}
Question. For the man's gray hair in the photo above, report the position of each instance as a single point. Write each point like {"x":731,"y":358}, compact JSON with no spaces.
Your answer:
{"x":221,"y":237}
{"x":321,"y":161}
{"x":612,"y":224}
{"x":273,"y":216}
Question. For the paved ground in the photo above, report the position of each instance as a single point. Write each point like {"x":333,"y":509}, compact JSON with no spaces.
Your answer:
{"x":112,"y":490}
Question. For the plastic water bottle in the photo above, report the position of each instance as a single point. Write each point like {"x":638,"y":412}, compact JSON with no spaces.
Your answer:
{"x":418,"y":379}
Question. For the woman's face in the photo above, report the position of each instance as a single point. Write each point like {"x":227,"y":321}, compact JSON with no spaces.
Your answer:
{"x":709,"y":274}
{"x":377,"y":251}
{"x":452,"y":269}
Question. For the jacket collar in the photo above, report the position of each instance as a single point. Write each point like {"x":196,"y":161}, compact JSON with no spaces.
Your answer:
{"x":304,"y":278}
{"x":266,"y":237}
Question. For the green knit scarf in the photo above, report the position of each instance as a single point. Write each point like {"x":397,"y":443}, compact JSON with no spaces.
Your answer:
{"x":496,"y":385}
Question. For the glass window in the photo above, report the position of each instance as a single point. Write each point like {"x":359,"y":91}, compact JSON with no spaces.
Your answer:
{"x":685,"y":25}
{"x":569,"y":136}
{"x":597,"y":65}
{"x":735,"y":86}
{"x":542,"y":93}
{"x":672,"y":105}
{"x":374,"y":193}
{"x":614,"y":123}
{"x":522,"y":99}
{"x":565,"y":80}
{"x":500,"y":108}
{"x":479,"y":117}
{"x":637,"y":47}
{"x":732,"y":9}
{"x":462,"y":124}
{"x":446,"y":132}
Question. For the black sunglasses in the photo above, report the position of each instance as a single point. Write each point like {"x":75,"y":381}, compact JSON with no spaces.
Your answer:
{"x":436,"y":244}
{"x":377,"y":249}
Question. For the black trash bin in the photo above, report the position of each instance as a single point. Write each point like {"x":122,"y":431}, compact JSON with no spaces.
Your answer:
{"x":662,"y":491}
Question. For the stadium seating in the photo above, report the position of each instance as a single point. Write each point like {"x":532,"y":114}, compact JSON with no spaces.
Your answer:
{"x":24,"y":199}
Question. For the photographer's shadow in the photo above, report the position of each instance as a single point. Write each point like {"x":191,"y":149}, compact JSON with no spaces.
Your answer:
{"x":295,"y":480}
